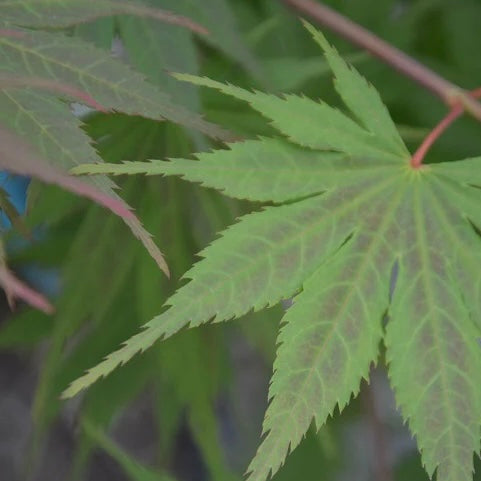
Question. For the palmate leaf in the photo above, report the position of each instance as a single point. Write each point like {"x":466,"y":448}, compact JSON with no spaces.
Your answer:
{"x":358,"y":216}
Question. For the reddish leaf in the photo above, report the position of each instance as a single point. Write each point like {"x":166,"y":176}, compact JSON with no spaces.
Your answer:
{"x":17,"y":157}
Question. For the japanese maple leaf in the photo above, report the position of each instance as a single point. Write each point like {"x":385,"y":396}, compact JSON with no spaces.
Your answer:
{"x":349,"y":212}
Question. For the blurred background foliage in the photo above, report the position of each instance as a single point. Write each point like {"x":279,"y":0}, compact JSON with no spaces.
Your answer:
{"x":191,"y":408}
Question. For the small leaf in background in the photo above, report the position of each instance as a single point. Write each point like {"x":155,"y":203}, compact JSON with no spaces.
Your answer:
{"x":224,"y":33}
{"x":156,"y":51}
{"x":135,"y":470}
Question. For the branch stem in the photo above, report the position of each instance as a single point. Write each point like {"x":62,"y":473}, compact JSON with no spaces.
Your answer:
{"x":417,"y":158}
{"x":455,"y":112}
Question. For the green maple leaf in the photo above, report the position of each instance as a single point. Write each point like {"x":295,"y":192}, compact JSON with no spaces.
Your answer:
{"x":350,"y":215}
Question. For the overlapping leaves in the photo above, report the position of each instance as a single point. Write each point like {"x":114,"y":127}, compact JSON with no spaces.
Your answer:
{"x":351,"y":216}
{"x":38,"y":69}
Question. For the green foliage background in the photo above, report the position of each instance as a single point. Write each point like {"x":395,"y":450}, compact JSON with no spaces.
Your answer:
{"x":110,"y":285}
